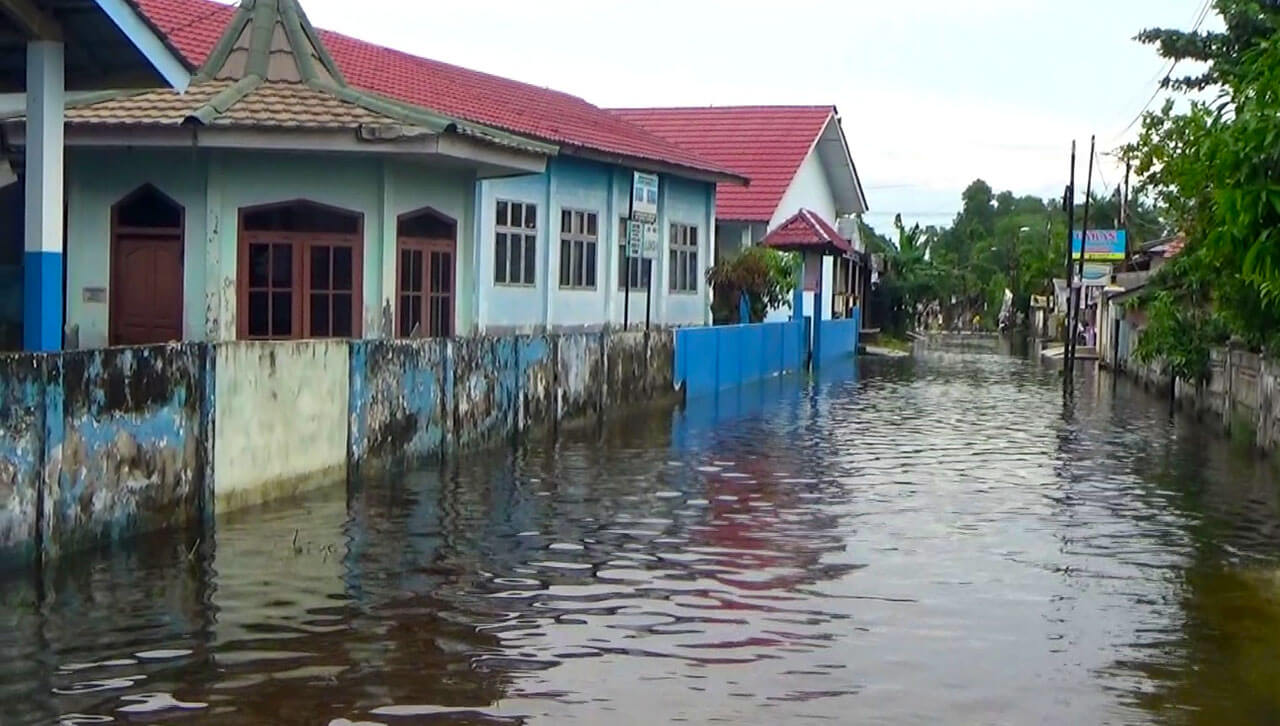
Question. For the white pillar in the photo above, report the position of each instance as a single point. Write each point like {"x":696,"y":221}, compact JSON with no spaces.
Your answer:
{"x":42,"y":264}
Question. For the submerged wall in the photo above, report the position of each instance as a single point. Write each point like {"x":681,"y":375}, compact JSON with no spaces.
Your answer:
{"x":710,"y":359}
{"x":1242,"y":393}
{"x":97,"y":446}
{"x":280,"y":420}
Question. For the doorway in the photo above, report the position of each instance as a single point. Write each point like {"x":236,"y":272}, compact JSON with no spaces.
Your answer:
{"x":425,"y":273}
{"x":146,"y":269}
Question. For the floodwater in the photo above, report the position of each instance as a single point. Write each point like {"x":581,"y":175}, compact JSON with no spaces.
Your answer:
{"x":936,"y":540}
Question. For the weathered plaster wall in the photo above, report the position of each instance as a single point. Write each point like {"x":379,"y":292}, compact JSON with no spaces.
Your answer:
{"x":486,"y":388}
{"x":398,"y":402}
{"x":96,"y":446}
{"x":280,"y":423}
{"x":22,"y":437}
{"x":638,"y":367}
{"x":244,"y":179}
{"x":537,"y":358}
{"x":96,"y":180}
{"x":132,"y":458}
{"x":580,"y":375}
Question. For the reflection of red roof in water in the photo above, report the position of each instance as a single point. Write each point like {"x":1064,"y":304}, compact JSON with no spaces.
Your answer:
{"x":734,"y":524}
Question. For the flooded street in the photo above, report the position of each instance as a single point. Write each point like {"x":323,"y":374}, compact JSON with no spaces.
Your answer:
{"x":923,"y":541}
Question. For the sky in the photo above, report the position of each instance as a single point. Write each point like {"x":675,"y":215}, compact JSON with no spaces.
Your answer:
{"x":932,"y":93}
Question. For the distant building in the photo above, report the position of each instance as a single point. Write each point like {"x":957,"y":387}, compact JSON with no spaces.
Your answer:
{"x":802,"y":177}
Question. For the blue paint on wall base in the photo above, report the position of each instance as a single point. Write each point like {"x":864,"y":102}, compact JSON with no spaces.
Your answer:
{"x":42,"y":301}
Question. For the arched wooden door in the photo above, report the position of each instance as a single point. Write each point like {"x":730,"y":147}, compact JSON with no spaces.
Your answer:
{"x":425,"y":273}
{"x":146,"y":269}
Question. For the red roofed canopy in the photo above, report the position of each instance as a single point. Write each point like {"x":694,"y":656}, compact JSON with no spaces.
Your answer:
{"x":807,"y":231}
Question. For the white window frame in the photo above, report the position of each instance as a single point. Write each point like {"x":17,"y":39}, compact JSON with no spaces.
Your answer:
{"x":577,"y":238}
{"x":526,"y":234}
{"x":682,"y":260}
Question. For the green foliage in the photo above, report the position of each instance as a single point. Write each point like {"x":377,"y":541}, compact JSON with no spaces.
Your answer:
{"x":1215,"y":167}
{"x":766,"y":275}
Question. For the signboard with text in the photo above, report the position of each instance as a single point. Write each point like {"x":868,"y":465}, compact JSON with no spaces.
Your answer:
{"x":1102,"y":245}
{"x":649,"y":238}
{"x":1096,"y":274}
{"x":635,"y":238}
{"x":644,"y":197}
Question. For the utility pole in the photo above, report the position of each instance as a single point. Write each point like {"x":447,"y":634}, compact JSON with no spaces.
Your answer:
{"x":1069,"y":206}
{"x":1084,"y":245}
{"x":1124,"y":211}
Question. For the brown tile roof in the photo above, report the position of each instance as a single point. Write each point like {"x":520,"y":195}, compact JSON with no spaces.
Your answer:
{"x":270,"y":105}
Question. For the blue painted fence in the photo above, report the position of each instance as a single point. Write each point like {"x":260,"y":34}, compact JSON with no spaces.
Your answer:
{"x":709,"y":359}
{"x":837,"y":339}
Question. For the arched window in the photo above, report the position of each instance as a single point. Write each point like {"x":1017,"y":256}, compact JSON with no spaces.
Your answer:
{"x":426,"y":257}
{"x":300,"y":271}
{"x":147,"y":208}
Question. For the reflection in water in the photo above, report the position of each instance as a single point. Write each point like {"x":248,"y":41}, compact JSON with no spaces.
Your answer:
{"x":929,"y":540}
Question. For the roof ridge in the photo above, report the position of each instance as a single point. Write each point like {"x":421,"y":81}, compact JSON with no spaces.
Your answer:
{"x":831,"y":107}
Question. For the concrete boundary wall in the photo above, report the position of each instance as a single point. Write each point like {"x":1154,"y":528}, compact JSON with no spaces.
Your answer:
{"x":97,"y":446}
{"x":1242,"y":392}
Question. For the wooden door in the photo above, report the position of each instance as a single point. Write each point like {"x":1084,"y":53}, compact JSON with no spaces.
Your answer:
{"x":425,"y":306}
{"x":146,"y":284}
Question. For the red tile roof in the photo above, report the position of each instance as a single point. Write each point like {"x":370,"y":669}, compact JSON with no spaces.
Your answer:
{"x":807,"y":230}
{"x":765,"y":143}
{"x":194,"y":26}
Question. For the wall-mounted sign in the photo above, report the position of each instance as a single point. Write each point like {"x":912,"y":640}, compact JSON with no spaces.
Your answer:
{"x":1102,"y":244}
{"x":1097,"y":274}
{"x":635,"y":238}
{"x":95,"y":294}
{"x":649,"y":236}
{"x":644,"y":197}
{"x":642,"y":240}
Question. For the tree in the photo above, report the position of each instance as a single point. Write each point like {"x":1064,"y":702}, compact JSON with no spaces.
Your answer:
{"x":1215,"y":168}
{"x":766,"y":276}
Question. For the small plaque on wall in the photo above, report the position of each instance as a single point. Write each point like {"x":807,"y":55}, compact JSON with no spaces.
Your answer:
{"x":95,"y":294}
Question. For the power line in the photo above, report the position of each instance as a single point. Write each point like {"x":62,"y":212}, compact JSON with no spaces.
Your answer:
{"x":1164,"y":77}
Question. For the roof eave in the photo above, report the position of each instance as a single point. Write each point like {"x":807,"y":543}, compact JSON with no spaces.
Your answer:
{"x":713,"y":176}
{"x":860,"y":205}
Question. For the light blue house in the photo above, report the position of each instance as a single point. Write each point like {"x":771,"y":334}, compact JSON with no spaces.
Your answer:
{"x":295,"y":193}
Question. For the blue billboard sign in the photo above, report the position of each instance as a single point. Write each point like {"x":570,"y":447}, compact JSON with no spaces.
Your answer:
{"x":1102,"y":245}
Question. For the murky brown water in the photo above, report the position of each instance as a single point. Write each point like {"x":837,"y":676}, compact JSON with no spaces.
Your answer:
{"x":933,"y":542}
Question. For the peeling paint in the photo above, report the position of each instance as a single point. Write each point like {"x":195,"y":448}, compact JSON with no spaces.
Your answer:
{"x":100,"y":445}
{"x":397,"y":403}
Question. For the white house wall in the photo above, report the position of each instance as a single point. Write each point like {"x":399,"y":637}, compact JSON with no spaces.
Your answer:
{"x":809,"y":189}
{"x":588,"y":186}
